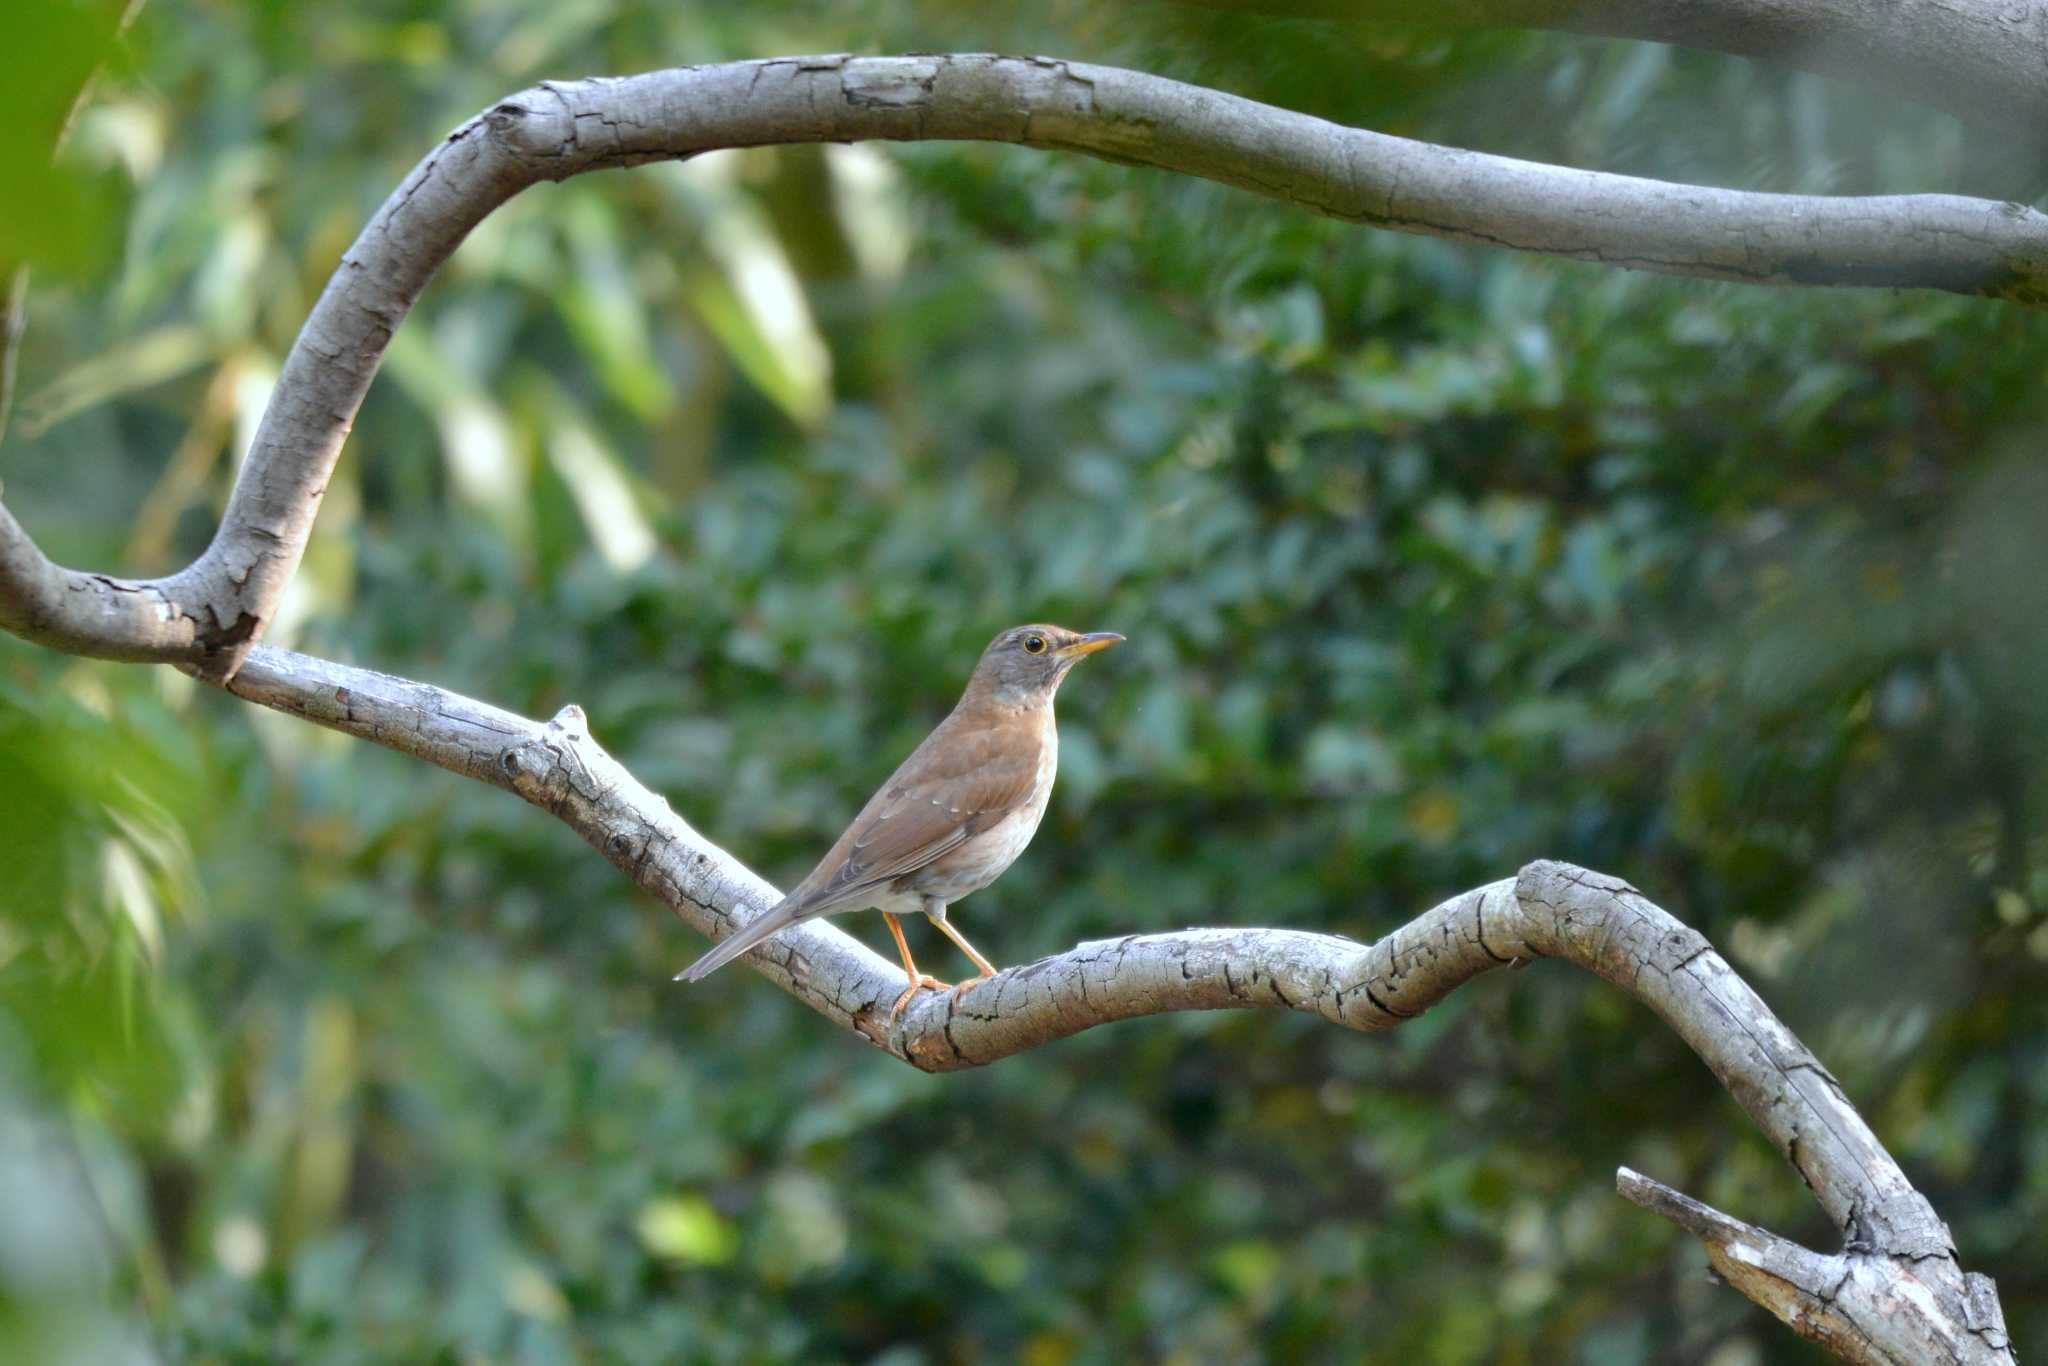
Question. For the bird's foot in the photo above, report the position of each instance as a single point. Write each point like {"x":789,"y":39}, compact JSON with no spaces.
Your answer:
{"x":964,"y":987}
{"x":917,"y":984}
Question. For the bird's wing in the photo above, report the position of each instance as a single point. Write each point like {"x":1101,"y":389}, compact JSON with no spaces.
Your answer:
{"x":960,"y":781}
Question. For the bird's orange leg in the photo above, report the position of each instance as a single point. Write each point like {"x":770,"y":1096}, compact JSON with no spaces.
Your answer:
{"x":986,"y":968}
{"x":917,"y":979}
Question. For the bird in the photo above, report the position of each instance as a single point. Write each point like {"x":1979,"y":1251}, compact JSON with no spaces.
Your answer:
{"x":954,"y":815}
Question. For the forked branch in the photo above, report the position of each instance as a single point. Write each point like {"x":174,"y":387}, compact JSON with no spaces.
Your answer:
{"x":1898,"y":1293}
{"x":1895,"y":1293}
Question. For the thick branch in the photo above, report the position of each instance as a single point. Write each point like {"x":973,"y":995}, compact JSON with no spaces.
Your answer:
{"x":1982,"y":60}
{"x":86,"y":614}
{"x":207,"y":615}
{"x":1895,"y":1244}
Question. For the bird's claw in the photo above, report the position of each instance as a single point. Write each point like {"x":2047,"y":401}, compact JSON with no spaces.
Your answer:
{"x":917,"y":984}
{"x":962,"y":988}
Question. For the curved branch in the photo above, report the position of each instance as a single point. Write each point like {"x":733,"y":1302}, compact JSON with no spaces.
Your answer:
{"x":207,"y":615}
{"x":1893,"y":1294}
{"x":1981,"y":60}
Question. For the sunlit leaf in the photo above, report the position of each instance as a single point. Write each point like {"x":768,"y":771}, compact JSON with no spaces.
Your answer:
{"x":608,"y":313}
{"x":486,"y":467}
{"x":687,"y":1229}
{"x":753,"y":301}
{"x":870,"y":198}
{"x":604,"y":494}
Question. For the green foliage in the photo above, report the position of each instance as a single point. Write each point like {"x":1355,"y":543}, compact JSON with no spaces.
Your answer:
{"x":1433,"y":561}
{"x":54,"y":48}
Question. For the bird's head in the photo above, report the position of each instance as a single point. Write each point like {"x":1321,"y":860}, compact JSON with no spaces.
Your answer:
{"x":1025,"y":664}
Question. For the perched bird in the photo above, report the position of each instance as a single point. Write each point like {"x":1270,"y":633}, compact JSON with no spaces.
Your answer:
{"x":953,"y":816}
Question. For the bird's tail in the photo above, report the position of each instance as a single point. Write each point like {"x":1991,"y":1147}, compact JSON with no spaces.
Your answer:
{"x":779,"y":917}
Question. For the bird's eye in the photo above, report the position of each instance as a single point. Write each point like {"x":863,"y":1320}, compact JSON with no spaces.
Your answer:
{"x":1034,"y":645}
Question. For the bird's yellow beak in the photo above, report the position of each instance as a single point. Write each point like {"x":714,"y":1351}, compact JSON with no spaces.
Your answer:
{"x":1089,"y":644}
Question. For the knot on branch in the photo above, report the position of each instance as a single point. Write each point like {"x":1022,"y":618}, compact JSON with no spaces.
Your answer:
{"x":536,"y":123}
{"x":543,"y":768}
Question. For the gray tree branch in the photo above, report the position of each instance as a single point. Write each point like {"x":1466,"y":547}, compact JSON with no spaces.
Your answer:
{"x":207,"y":615}
{"x":1860,"y":1305}
{"x":1981,"y":60}
{"x":1895,"y":1293}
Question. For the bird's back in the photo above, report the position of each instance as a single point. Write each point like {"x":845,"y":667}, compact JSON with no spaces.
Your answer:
{"x":966,"y":800}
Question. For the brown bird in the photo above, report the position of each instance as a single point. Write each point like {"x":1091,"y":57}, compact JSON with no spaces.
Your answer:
{"x":953,"y":816}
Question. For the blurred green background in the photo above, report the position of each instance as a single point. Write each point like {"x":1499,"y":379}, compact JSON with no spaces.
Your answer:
{"x":1434,"y":560}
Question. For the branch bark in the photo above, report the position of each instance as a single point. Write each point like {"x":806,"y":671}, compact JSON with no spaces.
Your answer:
{"x":1860,"y":1305}
{"x":208,"y":615}
{"x":1982,"y":60}
{"x":1901,"y":1294}
{"x":1895,"y":1293}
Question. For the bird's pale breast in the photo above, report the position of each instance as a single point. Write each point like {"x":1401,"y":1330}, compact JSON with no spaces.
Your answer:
{"x":982,"y":857}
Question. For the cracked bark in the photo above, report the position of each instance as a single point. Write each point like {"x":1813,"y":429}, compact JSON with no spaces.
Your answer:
{"x":207,"y":615}
{"x":1894,"y":1293}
